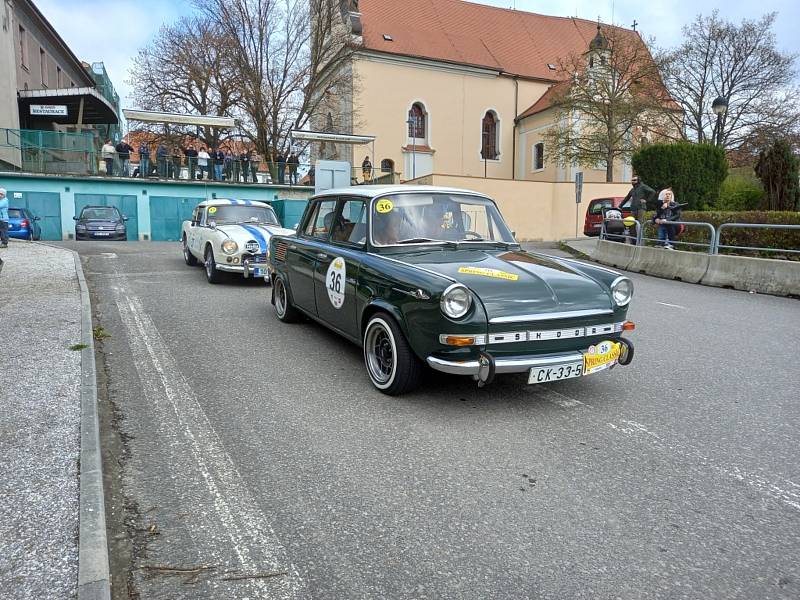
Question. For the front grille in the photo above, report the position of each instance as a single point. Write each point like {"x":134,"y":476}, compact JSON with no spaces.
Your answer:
{"x":256,"y":258}
{"x":252,"y":247}
{"x":280,"y":251}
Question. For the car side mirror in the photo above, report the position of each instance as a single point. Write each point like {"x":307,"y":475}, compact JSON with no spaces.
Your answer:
{"x":37,"y":218}
{"x":124,"y":218}
{"x":212,"y":224}
{"x":74,"y":218}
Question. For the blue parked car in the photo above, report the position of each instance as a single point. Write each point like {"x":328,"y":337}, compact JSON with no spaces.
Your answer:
{"x":23,"y":224}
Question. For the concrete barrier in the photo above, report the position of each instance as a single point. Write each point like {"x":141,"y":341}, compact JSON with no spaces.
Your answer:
{"x":763,"y":275}
{"x":614,"y":253}
{"x":671,"y":264}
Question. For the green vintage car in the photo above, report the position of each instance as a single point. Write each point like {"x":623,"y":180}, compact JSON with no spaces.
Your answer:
{"x":423,"y":275}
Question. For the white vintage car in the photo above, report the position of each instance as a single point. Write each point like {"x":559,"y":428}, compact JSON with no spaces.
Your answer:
{"x":232,"y":236}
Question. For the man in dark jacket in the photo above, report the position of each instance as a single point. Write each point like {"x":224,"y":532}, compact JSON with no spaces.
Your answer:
{"x":639,"y":195}
{"x":124,"y":153}
{"x":144,"y":160}
{"x":191,"y":161}
{"x":162,"y":155}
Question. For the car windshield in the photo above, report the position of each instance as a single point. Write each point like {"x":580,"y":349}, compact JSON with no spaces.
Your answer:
{"x":433,"y":217}
{"x":241,"y":213}
{"x":101,"y":213}
{"x":15,"y":213}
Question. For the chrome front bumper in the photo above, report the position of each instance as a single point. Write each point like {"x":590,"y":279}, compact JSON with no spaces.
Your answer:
{"x":510,"y":364}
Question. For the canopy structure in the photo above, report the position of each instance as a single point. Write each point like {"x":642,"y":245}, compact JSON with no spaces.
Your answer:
{"x":147,"y":116}
{"x":70,"y":106}
{"x":339,"y":138}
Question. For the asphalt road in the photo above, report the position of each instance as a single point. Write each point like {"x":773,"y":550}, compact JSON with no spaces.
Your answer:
{"x":258,"y":462}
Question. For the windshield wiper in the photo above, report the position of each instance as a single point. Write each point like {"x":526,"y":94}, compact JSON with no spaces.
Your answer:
{"x":424,"y":240}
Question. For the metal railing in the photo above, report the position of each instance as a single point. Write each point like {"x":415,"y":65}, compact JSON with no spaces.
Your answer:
{"x":52,"y":152}
{"x":717,"y":245}
{"x":715,"y":235}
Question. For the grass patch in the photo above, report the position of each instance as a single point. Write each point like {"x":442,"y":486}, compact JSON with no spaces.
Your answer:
{"x":78,"y":347}
{"x":100,"y":333}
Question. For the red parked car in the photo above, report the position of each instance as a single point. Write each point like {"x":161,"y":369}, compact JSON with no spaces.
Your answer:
{"x":594,"y":212}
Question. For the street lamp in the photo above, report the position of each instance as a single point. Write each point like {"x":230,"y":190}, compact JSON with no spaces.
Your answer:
{"x":412,"y":125}
{"x":720,"y":107}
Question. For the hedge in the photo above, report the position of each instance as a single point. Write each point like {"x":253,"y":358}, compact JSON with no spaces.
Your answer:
{"x":762,"y":238}
{"x":695,"y":172}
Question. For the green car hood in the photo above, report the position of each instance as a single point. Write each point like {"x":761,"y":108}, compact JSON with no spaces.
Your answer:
{"x":514,"y":282}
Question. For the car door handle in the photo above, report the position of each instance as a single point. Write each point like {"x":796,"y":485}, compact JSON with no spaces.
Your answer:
{"x":322,"y":255}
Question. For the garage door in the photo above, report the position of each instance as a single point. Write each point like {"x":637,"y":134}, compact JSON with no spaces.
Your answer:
{"x":167,"y":213}
{"x":125,"y":204}
{"x":46,"y":206}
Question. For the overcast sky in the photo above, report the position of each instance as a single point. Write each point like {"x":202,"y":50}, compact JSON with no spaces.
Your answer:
{"x":112,"y":31}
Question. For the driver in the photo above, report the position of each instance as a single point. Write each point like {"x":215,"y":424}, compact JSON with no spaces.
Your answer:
{"x":386,"y":227}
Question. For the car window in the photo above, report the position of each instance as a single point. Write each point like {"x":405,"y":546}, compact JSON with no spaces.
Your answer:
{"x":321,"y":221}
{"x":626,"y":205}
{"x":15,"y":213}
{"x":197,"y":215}
{"x":104,"y":213}
{"x":242,"y":213}
{"x":351,"y":225}
{"x":598,"y":206}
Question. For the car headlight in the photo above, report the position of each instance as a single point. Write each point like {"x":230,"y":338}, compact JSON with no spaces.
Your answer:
{"x":80,"y":227}
{"x":229,"y":247}
{"x":456,"y":301}
{"x":120,"y":227}
{"x":622,"y":291}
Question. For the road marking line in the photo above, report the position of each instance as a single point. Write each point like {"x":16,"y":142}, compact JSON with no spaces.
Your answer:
{"x":774,"y":489}
{"x":559,"y":399}
{"x":672,"y":305}
{"x":234,"y":506}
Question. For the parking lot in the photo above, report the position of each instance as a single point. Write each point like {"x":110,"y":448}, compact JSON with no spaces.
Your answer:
{"x":255,"y":460}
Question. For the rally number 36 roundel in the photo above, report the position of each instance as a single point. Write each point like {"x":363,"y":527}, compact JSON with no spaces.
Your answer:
{"x":334,"y":281}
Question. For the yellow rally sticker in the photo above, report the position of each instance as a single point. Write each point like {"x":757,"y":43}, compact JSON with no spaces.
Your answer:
{"x":488,"y":273}
{"x":384,"y":206}
{"x":338,"y":263}
{"x":212,"y":210}
{"x":601,"y":356}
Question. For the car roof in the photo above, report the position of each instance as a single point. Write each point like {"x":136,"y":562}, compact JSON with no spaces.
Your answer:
{"x":98,"y":206}
{"x":372,"y":191}
{"x":229,"y":201}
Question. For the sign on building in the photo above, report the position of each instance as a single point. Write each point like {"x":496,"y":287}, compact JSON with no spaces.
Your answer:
{"x":49,"y":110}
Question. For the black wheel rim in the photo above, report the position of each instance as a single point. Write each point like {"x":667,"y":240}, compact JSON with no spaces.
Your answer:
{"x":380,"y":353}
{"x":280,"y":298}
{"x":210,"y":264}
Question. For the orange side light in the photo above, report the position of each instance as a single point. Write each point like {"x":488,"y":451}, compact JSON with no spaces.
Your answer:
{"x":628,"y":326}
{"x":457,"y":340}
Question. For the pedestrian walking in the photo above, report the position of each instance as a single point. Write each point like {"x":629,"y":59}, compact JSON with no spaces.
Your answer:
{"x":161,"y":160}
{"x":144,"y":160}
{"x":666,"y":212}
{"x":639,"y":195}
{"x":293,"y":163}
{"x":281,"y":160}
{"x":202,"y":162}
{"x":108,"y":153}
{"x":124,"y":153}
{"x":191,"y":161}
{"x":366,"y":169}
{"x":3,"y":219}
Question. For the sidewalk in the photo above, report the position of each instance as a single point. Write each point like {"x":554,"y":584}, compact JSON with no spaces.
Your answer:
{"x":40,"y":415}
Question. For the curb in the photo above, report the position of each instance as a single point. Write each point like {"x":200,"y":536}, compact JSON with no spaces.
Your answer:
{"x":94,"y":576}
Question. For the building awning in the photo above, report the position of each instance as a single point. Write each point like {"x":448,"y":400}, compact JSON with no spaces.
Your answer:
{"x":148,"y":116}
{"x":84,"y":106}
{"x":338,"y":138}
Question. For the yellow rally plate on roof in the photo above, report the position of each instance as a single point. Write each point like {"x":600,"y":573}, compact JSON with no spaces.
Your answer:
{"x":384,"y":206}
{"x":212,"y":210}
{"x":488,"y":273}
{"x":601,"y":356}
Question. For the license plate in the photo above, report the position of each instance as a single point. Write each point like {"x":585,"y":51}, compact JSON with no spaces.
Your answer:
{"x":101,"y":233}
{"x":565,"y":371}
{"x":601,"y":356}
{"x":258,"y":272}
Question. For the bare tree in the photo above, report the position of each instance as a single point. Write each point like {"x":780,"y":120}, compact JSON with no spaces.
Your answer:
{"x":739,"y":63}
{"x":186,"y":69}
{"x":288,"y":57}
{"x":607,"y":97}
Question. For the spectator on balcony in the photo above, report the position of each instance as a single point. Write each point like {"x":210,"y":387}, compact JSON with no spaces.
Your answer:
{"x":255,"y":161}
{"x":244,"y":159}
{"x":144,"y":160}
{"x":281,"y":160}
{"x":191,"y":160}
{"x":228,"y":166}
{"x":366,"y":169}
{"x":202,"y":162}
{"x":293,"y":163}
{"x":218,"y":158}
{"x":176,"y":162}
{"x":108,"y":154}
{"x":161,"y":159}
{"x":124,"y":152}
